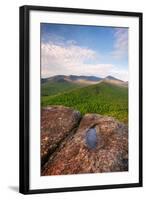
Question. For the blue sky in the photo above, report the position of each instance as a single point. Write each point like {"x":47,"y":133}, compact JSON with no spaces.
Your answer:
{"x":84,"y":50}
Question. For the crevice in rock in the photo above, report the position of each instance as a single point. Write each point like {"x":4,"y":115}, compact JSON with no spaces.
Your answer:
{"x":60,"y":143}
{"x":72,"y":155}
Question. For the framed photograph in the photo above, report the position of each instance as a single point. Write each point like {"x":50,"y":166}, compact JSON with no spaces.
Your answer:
{"x":80,"y":99}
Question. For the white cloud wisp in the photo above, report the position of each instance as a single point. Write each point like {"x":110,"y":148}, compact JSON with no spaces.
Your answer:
{"x":121,"y":43}
{"x":71,"y":59}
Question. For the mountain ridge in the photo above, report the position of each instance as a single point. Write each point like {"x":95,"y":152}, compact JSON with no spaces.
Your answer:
{"x":81,"y":78}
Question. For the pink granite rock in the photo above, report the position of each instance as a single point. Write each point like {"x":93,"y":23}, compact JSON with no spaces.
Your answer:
{"x":74,"y":155}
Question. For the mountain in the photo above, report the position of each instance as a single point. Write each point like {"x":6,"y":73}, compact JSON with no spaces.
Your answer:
{"x":75,"y":78}
{"x":55,"y":86}
{"x":57,"y":78}
{"x":112,"y":78}
{"x":86,"y":78}
{"x":62,"y":83}
{"x":103,"y":98}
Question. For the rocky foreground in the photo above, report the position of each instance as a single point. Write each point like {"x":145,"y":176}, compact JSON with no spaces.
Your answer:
{"x":71,"y":144}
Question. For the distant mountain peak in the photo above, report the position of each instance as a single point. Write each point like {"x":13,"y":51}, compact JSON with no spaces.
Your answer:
{"x":112,"y":78}
{"x":81,"y":78}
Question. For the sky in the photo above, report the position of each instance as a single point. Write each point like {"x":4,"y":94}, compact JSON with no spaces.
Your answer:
{"x":84,"y":50}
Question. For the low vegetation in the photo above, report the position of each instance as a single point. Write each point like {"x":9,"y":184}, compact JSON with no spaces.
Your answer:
{"x":103,"y":98}
{"x":52,"y":87}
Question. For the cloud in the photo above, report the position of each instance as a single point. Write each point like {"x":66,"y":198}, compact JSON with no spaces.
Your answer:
{"x":70,"y":58}
{"x":56,"y":39}
{"x":64,"y":58}
{"x":121,"y":43}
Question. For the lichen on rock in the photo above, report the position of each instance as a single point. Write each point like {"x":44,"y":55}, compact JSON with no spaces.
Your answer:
{"x":56,"y":123}
{"x":95,"y":144}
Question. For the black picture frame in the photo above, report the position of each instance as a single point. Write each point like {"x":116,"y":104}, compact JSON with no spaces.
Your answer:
{"x":25,"y":105}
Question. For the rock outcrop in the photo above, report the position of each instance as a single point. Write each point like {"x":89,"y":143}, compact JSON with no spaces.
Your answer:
{"x":72,"y":145}
{"x":56,"y":123}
